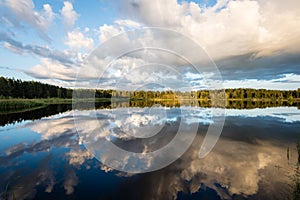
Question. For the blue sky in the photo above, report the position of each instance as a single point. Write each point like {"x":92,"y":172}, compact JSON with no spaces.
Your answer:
{"x":49,"y":41}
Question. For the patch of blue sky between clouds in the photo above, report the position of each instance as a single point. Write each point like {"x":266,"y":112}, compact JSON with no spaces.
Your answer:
{"x":206,"y":3}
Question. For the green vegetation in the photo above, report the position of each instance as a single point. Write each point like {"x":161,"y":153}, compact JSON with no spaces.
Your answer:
{"x":295,"y":193}
{"x":9,"y":191}
{"x":19,"y":106}
{"x":245,"y":94}
{"x":31,"y":89}
{"x":11,"y":88}
{"x":17,"y":95}
{"x":22,"y":105}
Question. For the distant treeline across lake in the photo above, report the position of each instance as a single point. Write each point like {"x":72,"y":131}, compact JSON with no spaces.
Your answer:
{"x":18,"y":89}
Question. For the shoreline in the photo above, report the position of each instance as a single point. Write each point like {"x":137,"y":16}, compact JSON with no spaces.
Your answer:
{"x":9,"y":106}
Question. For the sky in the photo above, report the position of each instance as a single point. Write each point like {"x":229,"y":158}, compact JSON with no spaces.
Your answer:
{"x":191,"y":45}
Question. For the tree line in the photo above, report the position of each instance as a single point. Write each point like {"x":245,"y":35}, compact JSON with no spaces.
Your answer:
{"x":11,"y":88}
{"x":229,"y":94}
{"x":31,"y":89}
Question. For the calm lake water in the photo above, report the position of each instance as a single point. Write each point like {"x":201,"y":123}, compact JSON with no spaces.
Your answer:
{"x":43,"y":157}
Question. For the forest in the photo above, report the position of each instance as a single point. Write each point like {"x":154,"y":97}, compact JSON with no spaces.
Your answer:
{"x":11,"y":88}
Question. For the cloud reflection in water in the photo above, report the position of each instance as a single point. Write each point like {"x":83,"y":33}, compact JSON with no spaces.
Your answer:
{"x":236,"y":166}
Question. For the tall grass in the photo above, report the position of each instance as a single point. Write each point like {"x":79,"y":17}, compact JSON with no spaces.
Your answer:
{"x":19,"y":105}
{"x":296,"y":188}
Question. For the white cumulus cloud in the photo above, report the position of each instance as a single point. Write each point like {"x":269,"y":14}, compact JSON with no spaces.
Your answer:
{"x":228,"y":28}
{"x":69,"y":14}
{"x":77,"y":40}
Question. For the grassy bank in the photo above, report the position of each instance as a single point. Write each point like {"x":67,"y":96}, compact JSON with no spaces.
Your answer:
{"x":19,"y":106}
{"x":22,"y":105}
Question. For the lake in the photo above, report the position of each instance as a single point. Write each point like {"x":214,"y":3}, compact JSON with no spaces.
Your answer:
{"x":44,"y":153}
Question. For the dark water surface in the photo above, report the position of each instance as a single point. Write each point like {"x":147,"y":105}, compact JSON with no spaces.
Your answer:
{"x":43,"y":157}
